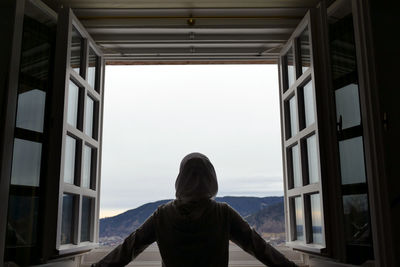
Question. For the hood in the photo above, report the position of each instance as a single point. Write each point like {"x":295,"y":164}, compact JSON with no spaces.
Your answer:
{"x":196,"y":180}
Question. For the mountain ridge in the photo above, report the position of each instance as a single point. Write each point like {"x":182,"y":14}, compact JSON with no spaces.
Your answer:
{"x":260,"y":212}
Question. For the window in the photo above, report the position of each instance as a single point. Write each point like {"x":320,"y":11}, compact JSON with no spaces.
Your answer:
{"x":77,"y":221}
{"x":29,"y":156}
{"x":350,"y":139}
{"x":303,"y":183}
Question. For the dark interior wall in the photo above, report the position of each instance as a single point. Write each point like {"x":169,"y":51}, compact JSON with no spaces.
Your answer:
{"x":11,"y":20}
{"x":385,"y":32}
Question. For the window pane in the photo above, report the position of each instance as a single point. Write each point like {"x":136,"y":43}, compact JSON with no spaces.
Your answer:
{"x":316,"y":218}
{"x":297,"y":181}
{"x":22,"y":220}
{"x":30,"y":113}
{"x":352,"y":166}
{"x":91,"y":75}
{"x":26,"y":163}
{"x":309,"y":103}
{"x":69,"y":160}
{"x":356,"y":217}
{"x":293,"y":116}
{"x":89,"y":116}
{"x":87,"y":164}
{"x":290,"y":67}
{"x":348,"y":106}
{"x":86,"y":218}
{"x":312,"y":158}
{"x":76,"y":48}
{"x":304,"y":50}
{"x":73,"y":102}
{"x":67,"y":225}
{"x":299,"y":218}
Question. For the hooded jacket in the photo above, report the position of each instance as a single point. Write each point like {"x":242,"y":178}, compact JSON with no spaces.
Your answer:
{"x":193,"y":229}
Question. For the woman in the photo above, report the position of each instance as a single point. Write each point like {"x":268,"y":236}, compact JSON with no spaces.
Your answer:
{"x":194,"y":229}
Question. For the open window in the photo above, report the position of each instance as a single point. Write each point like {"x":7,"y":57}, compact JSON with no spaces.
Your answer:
{"x":325,"y":179}
{"x":75,"y":139}
{"x":303,"y":177}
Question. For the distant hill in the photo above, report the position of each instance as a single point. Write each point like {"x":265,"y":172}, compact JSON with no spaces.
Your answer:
{"x":270,"y":219}
{"x":261,"y":213}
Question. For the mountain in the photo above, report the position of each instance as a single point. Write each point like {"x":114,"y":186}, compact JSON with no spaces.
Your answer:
{"x":270,"y":219}
{"x":261,"y":213}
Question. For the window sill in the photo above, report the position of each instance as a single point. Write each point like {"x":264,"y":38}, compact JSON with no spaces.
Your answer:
{"x":76,"y":249}
{"x":309,"y":248}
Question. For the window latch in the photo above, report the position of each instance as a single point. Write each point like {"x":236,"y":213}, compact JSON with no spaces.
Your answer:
{"x":339,"y":124}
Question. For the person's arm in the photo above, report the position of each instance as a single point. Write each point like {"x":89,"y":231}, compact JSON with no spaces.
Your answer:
{"x":132,"y":246}
{"x":251,"y":242}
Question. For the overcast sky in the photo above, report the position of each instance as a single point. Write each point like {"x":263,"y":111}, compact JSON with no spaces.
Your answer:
{"x":155,"y":115}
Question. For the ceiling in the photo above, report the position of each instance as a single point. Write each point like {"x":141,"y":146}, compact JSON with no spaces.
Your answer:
{"x":202,"y":31}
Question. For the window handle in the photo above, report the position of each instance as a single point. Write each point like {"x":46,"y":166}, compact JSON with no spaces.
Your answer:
{"x":340,"y":124}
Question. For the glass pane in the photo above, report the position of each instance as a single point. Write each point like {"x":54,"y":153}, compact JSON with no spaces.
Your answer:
{"x":299,"y":218}
{"x":348,"y":106}
{"x":22,"y":220}
{"x":356,"y":217}
{"x":352,"y":167}
{"x":86,"y":218}
{"x":30,"y":113}
{"x":76,"y":48}
{"x":293,"y":116}
{"x":73,"y":102}
{"x":87,"y":164}
{"x":297,"y":182}
{"x":312,"y":158}
{"x":316,"y":218}
{"x":69,"y":160}
{"x":67,"y":224}
{"x":309,"y":103}
{"x":304,"y":42}
{"x":342,"y":48}
{"x":290,"y":67}
{"x":91,"y":75}
{"x":89,"y":116}
{"x":27,"y":157}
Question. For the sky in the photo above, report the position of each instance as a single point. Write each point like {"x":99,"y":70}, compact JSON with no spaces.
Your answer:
{"x":154,"y":115}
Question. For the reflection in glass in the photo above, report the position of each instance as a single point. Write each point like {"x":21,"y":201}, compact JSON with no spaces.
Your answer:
{"x":67,"y":224}
{"x":76,"y":48}
{"x":22,"y":220}
{"x":352,"y":166}
{"x":26,"y":163}
{"x":290,"y":67}
{"x":89,"y":116}
{"x":30,"y":113}
{"x":309,"y":103}
{"x":312,"y":158}
{"x":305,"y":57}
{"x":86,"y":218}
{"x":342,"y":47}
{"x":348,"y":106}
{"x":293,"y":116}
{"x":69,"y":160}
{"x":91,"y":75}
{"x":87,"y":166}
{"x":316,"y":218}
{"x":73,"y":101}
{"x":356,"y":216}
{"x":296,"y":166}
{"x":299,"y":218}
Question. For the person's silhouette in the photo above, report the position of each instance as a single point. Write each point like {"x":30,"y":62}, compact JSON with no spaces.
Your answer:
{"x":194,"y":229}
